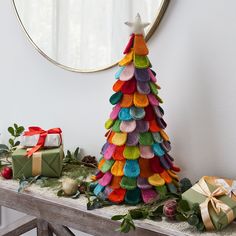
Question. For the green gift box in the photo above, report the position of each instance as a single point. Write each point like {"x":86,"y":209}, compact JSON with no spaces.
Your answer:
{"x":220,"y":220}
{"x":45,"y":162}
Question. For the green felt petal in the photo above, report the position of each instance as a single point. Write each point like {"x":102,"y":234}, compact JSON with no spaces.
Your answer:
{"x":107,"y":165}
{"x":131,"y":152}
{"x":128,"y":183}
{"x":141,"y":62}
{"x":146,"y":139}
{"x":116,"y":126}
{"x":153,"y":87}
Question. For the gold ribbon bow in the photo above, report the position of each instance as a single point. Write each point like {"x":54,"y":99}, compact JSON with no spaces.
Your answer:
{"x":218,"y":206}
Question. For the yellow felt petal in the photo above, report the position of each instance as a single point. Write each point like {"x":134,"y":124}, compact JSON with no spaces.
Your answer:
{"x":140,"y":100}
{"x":119,"y":139}
{"x":127,"y":59}
{"x":164,"y":135}
{"x":117,"y":168}
{"x":156,"y":180}
{"x":109,"y":123}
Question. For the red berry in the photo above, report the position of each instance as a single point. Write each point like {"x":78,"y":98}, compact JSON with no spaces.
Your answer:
{"x":6,"y":172}
{"x":169,"y":209}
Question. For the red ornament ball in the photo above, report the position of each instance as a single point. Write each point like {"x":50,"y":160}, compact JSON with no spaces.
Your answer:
{"x":169,"y":209}
{"x":6,"y":172}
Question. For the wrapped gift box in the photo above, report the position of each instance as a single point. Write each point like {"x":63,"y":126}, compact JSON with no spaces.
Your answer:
{"x":45,"y":162}
{"x":218,"y":220}
{"x":51,"y":140}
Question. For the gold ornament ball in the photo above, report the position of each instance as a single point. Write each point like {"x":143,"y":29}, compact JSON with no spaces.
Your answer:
{"x":69,"y":186}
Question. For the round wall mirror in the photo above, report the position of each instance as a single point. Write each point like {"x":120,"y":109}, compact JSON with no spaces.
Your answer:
{"x":84,"y":35}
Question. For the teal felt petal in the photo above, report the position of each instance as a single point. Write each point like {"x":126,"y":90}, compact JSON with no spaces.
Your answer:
{"x":117,"y":74}
{"x":171,"y":187}
{"x":131,"y":168}
{"x":115,"y":98}
{"x":133,"y":197}
{"x":157,"y":149}
{"x":124,"y":114}
{"x":137,"y":113}
{"x":98,"y":189}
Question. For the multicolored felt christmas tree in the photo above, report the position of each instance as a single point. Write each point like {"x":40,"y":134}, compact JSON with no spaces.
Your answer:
{"x":135,"y":164}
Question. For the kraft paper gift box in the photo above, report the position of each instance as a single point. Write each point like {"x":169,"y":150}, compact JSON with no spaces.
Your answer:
{"x":44,"y":162}
{"x":205,"y":194}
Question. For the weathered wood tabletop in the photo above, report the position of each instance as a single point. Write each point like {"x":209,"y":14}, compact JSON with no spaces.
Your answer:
{"x":56,"y":213}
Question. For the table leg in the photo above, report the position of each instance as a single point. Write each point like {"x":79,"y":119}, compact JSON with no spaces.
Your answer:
{"x":43,"y":228}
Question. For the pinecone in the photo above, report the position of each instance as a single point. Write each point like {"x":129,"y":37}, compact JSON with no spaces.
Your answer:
{"x":169,"y":209}
{"x":90,"y":161}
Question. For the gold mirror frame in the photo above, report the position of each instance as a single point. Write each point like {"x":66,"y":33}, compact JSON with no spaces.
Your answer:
{"x":153,"y":27}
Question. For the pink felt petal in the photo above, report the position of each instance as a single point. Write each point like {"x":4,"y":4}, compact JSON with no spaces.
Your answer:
{"x":115,"y":112}
{"x":106,"y":179}
{"x":153,"y":100}
{"x":128,"y":126}
{"x":109,"y":151}
{"x":127,"y":73}
{"x":146,"y":152}
{"x":148,"y":195}
{"x":152,"y":76}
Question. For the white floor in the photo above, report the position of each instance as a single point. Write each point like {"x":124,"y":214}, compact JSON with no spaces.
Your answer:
{"x":8,"y":216}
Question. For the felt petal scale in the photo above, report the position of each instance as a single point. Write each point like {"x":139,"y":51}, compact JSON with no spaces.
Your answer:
{"x":132,"y":139}
{"x":116,"y":126}
{"x":164,"y":163}
{"x":117,"y":168}
{"x":145,"y":168}
{"x":115,"y":98}
{"x":140,"y":100}
{"x":143,"y":87}
{"x":137,"y":113}
{"x":157,"y":137}
{"x":142,"y":183}
{"x":109,"y":123}
{"x":153,"y":126}
{"x":156,"y":165}
{"x":149,"y":195}
{"x":130,"y":44}
{"x":131,"y":168}
{"x":117,"y":196}
{"x":118,"y":154}
{"x":127,"y":59}
{"x":127,"y":73}
{"x":115,"y":111}
{"x":158,"y":150}
{"x":158,"y":111}
{"x":162,"y":124}
{"x":140,"y":47}
{"x":128,"y":183}
{"x":156,"y":180}
{"x":166,"y":146}
{"x":164,"y":135}
{"x":153,"y":100}
{"x":117,"y":75}
{"x":106,"y":166}
{"x":146,"y":152}
{"x":127,"y":100}
{"x":106,"y":179}
{"x":129,"y":87}
{"x":98,"y":189}
{"x":141,"y":62}
{"x":153,"y":88}
{"x":124,"y":114}
{"x":152,"y":76}
{"x":128,"y":126}
{"x":118,"y":85}
{"x":133,"y":197}
{"x":109,"y":151}
{"x":146,"y":139}
{"x":149,"y":113}
{"x":115,"y":182}
{"x":141,"y":126}
{"x":131,"y":152}
{"x":104,"y":147}
{"x":119,"y":139}
{"x":142,"y":75}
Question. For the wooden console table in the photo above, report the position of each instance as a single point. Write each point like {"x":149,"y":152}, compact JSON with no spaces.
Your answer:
{"x":50,"y":214}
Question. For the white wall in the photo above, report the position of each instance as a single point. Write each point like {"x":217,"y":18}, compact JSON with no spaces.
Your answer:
{"x":194,"y":52}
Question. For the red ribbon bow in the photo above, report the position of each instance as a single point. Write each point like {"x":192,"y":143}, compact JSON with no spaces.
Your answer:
{"x":42,"y":137}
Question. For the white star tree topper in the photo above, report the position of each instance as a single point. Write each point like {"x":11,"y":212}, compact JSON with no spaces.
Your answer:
{"x":137,"y":26}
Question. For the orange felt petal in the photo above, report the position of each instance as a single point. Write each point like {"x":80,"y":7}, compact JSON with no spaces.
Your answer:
{"x":127,"y":100}
{"x":101,"y":162}
{"x":115,"y":182}
{"x":110,"y":136}
{"x":140,"y":47}
{"x":140,"y":100}
{"x":117,"y":195}
{"x":118,"y":85}
{"x":164,"y":175}
{"x":153,"y":126}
